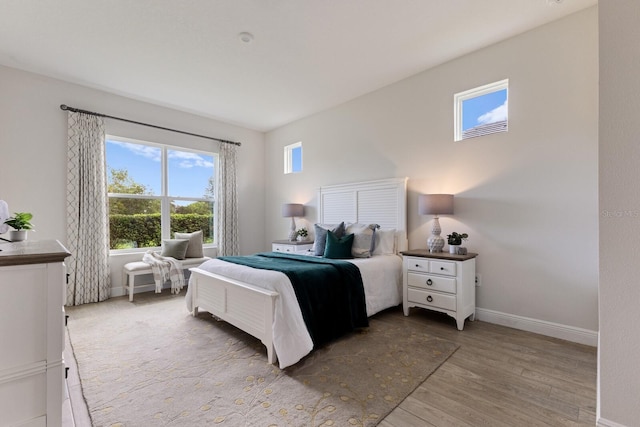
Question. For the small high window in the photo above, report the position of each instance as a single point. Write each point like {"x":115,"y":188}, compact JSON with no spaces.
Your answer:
{"x":482,"y":111}
{"x":293,"y":158}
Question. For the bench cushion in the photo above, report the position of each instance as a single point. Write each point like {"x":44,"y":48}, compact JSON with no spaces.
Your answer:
{"x":139,"y":266}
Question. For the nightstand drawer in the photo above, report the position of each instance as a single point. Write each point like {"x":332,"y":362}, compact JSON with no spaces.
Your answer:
{"x":283,"y":248}
{"x":443,"y":267}
{"x":432,"y":299}
{"x":436,"y":283}
{"x":418,"y":264}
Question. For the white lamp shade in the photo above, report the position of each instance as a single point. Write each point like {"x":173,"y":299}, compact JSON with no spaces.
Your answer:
{"x":435,"y":204}
{"x":292,"y":209}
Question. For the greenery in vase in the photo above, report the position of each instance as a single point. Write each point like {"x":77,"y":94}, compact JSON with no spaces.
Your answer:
{"x":302,"y":233}
{"x":456,"y":238}
{"x":20,"y":221}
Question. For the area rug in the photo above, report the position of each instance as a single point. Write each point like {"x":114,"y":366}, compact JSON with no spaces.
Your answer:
{"x":150,"y":363}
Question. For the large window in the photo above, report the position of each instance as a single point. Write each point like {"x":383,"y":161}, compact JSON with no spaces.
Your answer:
{"x":482,"y":110}
{"x":157,"y":190}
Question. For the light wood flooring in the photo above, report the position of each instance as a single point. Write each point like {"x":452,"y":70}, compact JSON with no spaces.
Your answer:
{"x":498,"y":377}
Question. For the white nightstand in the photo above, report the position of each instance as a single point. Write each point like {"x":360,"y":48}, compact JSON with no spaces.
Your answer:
{"x":291,"y":247}
{"x":440,"y":281}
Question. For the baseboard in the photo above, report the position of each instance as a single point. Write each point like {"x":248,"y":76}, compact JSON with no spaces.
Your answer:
{"x":602,"y":422}
{"x":119,"y":291}
{"x":556,"y":330}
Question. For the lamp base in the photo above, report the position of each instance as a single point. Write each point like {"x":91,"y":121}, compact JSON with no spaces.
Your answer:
{"x":435,"y":243}
{"x":293,"y":235}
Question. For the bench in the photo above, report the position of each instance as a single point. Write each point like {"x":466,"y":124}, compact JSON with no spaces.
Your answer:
{"x":137,"y":268}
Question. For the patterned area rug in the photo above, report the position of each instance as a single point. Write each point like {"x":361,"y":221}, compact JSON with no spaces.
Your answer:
{"x":150,"y":363}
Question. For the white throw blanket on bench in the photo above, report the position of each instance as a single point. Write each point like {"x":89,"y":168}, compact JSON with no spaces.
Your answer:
{"x":164,"y":269}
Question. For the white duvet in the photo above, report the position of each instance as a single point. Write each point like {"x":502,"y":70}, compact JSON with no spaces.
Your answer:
{"x":381,"y":277}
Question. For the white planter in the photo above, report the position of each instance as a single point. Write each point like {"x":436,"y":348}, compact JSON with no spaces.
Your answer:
{"x":453,"y":249}
{"x":18,"y":235}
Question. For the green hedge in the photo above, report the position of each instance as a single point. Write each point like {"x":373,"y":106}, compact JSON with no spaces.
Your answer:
{"x":144,"y":230}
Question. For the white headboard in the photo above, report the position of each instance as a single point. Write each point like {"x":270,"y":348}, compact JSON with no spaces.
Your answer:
{"x":382,"y":202}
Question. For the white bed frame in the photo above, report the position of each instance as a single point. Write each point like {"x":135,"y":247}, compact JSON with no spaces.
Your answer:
{"x":251,"y":308}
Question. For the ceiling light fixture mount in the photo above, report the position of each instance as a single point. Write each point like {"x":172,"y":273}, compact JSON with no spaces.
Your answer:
{"x":245,"y":37}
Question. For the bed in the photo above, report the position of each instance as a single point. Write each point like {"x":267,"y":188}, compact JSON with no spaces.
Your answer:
{"x":263,"y":303}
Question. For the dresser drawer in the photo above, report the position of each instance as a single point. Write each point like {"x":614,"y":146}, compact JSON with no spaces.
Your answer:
{"x":432,"y":299}
{"x":283,"y":248}
{"x":442,"y":267}
{"x":418,"y":264}
{"x":436,"y":283}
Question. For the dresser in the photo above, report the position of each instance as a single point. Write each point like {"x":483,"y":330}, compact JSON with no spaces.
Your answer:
{"x":440,"y":281}
{"x":292,"y":247}
{"x":32,"y":284}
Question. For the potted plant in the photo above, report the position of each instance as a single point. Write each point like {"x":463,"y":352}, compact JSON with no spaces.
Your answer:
{"x":455,"y":240}
{"x":302,"y":234}
{"x":20,"y":222}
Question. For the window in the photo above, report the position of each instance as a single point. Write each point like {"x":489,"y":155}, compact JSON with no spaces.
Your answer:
{"x":156,"y":190}
{"x":293,"y":158}
{"x":481,"y":111}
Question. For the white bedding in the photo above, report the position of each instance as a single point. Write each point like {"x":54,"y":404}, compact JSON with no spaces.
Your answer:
{"x":381,"y":277}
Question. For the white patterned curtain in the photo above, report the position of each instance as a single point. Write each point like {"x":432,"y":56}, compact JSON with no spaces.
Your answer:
{"x":227,"y":202}
{"x":87,"y":211}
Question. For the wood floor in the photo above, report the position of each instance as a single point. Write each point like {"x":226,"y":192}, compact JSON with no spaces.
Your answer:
{"x":498,"y":377}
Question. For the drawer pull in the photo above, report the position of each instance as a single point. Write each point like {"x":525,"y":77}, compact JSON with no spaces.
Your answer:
{"x":417,"y":265}
{"x":430,"y":298}
{"x":441,"y":268}
{"x":429,"y":282}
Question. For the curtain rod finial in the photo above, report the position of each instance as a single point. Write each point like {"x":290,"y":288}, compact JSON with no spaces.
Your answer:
{"x":63,"y":107}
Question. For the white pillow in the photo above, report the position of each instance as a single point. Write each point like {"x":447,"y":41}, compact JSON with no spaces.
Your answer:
{"x":363,"y":239}
{"x":385,"y":242}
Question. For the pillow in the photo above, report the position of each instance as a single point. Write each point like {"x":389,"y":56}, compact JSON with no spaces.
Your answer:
{"x":175,"y":248}
{"x":338,"y":247}
{"x":364,"y":240}
{"x":194,"y":249}
{"x":320,"y":231}
{"x":385,"y":242}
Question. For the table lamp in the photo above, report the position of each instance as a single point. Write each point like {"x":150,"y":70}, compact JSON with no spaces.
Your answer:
{"x":292,"y":210}
{"x":435,"y":204}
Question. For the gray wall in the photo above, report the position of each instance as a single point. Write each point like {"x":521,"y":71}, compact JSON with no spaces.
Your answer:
{"x":619,"y":347}
{"x":528,"y":198}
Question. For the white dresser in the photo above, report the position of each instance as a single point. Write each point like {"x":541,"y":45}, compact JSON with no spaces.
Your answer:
{"x":440,"y":281}
{"x":291,"y":247}
{"x":32,"y":284}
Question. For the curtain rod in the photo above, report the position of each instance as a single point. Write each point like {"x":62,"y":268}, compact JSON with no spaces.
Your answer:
{"x":77,"y":110}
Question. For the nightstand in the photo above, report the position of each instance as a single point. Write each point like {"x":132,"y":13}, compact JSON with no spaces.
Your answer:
{"x":441,"y":282}
{"x":291,"y":247}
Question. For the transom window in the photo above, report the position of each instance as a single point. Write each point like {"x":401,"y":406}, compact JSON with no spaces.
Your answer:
{"x":293,"y":158}
{"x":481,"y":111}
{"x":157,"y":190}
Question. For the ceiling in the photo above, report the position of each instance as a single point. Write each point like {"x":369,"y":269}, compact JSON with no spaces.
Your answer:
{"x":305,"y":56}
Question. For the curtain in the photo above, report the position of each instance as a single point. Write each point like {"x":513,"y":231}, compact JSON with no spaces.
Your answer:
{"x":87,"y":211}
{"x":227,"y":202}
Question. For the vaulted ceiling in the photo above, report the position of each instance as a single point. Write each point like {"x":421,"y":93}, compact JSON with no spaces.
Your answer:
{"x":300,"y":57}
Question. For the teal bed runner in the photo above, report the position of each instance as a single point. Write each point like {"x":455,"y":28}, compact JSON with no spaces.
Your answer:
{"x":329,"y":291}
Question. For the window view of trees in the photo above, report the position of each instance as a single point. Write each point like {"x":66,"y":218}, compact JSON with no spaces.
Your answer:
{"x":136,"y":208}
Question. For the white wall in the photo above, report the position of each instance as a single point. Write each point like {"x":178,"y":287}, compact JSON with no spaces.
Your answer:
{"x":33,"y":138}
{"x":619,"y":346}
{"x":527,"y":198}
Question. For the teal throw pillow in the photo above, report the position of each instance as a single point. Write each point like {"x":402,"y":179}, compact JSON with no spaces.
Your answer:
{"x":338,"y":247}
{"x":320,"y":232}
{"x":175,"y":248}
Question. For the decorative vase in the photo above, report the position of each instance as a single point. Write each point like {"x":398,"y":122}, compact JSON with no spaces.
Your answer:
{"x":453,"y":249}
{"x":18,"y":235}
